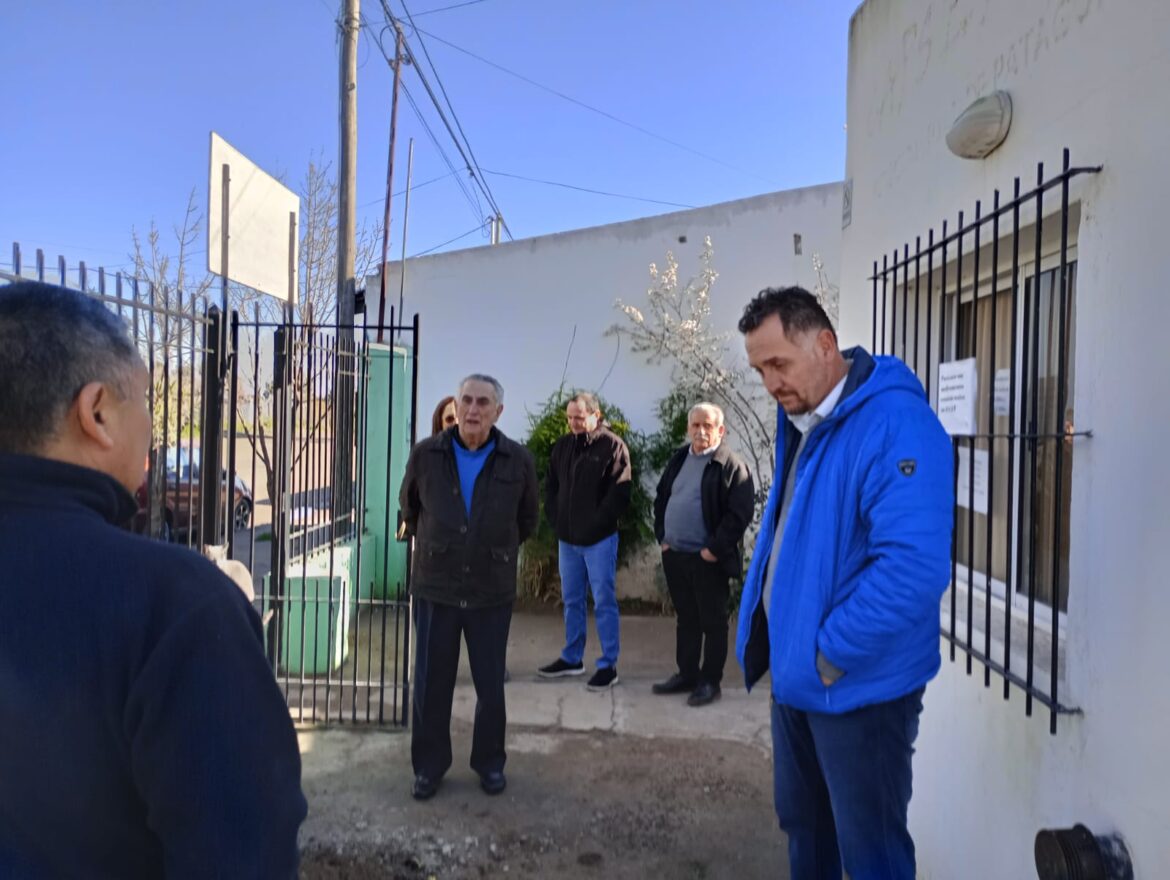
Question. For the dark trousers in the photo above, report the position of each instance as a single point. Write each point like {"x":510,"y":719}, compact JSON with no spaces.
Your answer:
{"x":842,"y":785}
{"x":699,"y":591}
{"x":437,"y":632}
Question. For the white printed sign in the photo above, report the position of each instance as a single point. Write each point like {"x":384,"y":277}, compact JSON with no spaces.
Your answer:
{"x":964,"y":497}
{"x":1003,"y":392}
{"x":957,"y":390}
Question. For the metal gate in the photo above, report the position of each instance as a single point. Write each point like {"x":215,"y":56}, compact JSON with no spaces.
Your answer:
{"x":325,"y":418}
{"x":286,"y":442}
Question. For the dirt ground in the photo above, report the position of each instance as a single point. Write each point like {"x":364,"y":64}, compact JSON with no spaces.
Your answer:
{"x":578,"y":805}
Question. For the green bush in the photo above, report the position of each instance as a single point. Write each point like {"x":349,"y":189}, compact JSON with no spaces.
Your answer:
{"x":538,"y":576}
{"x":672,"y":417}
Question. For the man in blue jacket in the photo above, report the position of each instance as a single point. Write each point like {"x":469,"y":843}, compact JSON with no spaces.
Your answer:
{"x":841,"y":602}
{"x":143,"y":732}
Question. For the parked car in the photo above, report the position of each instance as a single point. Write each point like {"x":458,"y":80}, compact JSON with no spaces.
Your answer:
{"x":182,"y":498}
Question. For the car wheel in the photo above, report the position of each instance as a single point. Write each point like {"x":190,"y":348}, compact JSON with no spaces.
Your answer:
{"x":242,"y":517}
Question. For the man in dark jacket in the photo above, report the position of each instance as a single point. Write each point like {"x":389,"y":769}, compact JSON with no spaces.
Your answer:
{"x":144,"y":733}
{"x":469,"y":498}
{"x":701,"y":510}
{"x":587,"y":489}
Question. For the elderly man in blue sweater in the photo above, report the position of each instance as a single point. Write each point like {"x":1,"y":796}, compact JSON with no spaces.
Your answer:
{"x":841,"y":602}
{"x":143,"y":732}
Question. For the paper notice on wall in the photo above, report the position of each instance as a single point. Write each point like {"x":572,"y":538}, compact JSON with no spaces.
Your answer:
{"x":964,"y":496}
{"x":957,"y":387}
{"x":1003,"y":392}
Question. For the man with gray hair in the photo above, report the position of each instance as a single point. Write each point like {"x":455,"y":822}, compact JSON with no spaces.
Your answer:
{"x":469,"y":499}
{"x":144,"y":733}
{"x":701,"y":510}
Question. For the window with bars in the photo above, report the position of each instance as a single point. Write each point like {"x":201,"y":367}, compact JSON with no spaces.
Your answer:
{"x":993,"y":300}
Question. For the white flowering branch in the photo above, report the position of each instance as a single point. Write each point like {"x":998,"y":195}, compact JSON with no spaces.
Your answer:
{"x":675,"y":329}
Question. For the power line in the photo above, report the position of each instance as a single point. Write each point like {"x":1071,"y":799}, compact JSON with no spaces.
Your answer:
{"x":477,"y":178}
{"x":445,"y":8}
{"x":449,"y":241}
{"x":438,"y":79}
{"x":468,"y":194}
{"x":593,"y":109}
{"x":413,"y":187}
{"x":585,"y":189}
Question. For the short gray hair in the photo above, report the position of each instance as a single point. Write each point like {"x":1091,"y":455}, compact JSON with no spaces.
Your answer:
{"x":714,"y":407}
{"x":587,"y":400}
{"x":53,"y":342}
{"x":497,"y":388}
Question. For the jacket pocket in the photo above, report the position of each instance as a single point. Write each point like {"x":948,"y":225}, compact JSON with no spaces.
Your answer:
{"x":756,"y":654}
{"x":432,"y":549}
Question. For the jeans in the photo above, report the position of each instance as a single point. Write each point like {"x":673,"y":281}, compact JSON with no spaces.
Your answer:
{"x":842,"y":786}
{"x":590,"y":567}
{"x":699,"y":591}
{"x":437,"y":634}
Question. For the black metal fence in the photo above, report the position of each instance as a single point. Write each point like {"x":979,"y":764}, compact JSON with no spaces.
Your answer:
{"x":988,"y":309}
{"x":326,"y":423}
{"x":264,"y":435}
{"x":171,"y":332}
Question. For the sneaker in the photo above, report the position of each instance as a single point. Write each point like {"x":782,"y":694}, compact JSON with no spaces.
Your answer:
{"x":603,"y":679}
{"x":559,"y":668}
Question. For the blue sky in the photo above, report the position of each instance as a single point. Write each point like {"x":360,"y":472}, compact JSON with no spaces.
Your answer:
{"x":108,"y":108}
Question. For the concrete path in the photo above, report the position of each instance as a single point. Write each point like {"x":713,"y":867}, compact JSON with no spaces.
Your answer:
{"x":618,"y":784}
{"x":647,"y":656}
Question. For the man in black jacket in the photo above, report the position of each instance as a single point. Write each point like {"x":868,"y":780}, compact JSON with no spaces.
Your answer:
{"x":703,"y":506}
{"x":143,"y":732}
{"x":587,"y":489}
{"x":469,"y":498}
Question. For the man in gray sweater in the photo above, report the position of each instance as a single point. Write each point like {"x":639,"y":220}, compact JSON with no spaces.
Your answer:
{"x":702,"y":508}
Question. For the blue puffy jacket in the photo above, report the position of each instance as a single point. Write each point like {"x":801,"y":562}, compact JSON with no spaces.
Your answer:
{"x":865,"y":556}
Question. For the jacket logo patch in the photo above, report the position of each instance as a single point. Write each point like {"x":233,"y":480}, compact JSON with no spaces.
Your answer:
{"x":907,"y":466}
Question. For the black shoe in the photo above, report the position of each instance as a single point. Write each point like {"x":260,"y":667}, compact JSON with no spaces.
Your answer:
{"x":705,"y":693}
{"x":559,"y":668}
{"x":494,"y":782}
{"x":424,"y":787}
{"x":603,"y":679}
{"x":676,"y":684}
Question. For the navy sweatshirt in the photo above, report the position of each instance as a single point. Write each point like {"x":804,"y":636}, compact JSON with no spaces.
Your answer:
{"x":142,"y":733}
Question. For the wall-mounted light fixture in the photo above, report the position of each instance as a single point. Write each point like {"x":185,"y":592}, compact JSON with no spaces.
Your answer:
{"x":981,"y":127}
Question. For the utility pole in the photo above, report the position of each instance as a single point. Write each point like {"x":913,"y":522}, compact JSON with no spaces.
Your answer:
{"x":343,"y":433}
{"x":405,"y":221}
{"x":347,"y":163}
{"x":399,"y":60}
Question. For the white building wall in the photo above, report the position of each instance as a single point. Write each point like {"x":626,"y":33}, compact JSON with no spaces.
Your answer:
{"x":513,"y":310}
{"x":1090,"y":75}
